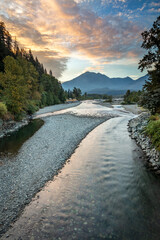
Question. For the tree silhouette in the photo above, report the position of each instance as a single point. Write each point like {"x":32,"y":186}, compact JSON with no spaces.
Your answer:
{"x":151,"y":61}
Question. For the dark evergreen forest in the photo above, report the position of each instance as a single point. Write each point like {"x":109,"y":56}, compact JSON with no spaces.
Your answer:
{"x":25,"y":85}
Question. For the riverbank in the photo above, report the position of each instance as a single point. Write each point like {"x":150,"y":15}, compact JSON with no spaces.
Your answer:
{"x":134,"y":108}
{"x":38,"y":160}
{"x":54,"y":108}
{"x":96,"y":197}
{"x":8,"y":127}
{"x":135,"y":127}
{"x":102,"y":188}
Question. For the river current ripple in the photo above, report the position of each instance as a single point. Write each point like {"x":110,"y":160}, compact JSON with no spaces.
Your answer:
{"x":104,"y":191}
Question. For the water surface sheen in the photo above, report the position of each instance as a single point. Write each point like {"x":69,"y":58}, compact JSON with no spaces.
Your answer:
{"x":10,"y":144}
{"x":103,"y":192}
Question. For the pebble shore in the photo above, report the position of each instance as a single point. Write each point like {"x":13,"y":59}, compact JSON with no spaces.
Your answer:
{"x":8,"y":127}
{"x":135,"y":127}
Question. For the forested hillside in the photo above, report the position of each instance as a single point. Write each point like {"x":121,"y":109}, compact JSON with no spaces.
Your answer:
{"x":24,"y":83}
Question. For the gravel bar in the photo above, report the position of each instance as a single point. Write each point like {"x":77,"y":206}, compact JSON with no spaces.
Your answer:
{"x":55,"y":108}
{"x":38,"y":160}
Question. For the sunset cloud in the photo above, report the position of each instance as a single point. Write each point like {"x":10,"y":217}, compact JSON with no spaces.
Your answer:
{"x":155,"y":4}
{"x":156,"y":10}
{"x":55,"y":29}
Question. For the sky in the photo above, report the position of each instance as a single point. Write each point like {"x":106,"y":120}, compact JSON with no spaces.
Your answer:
{"x":71,"y":37}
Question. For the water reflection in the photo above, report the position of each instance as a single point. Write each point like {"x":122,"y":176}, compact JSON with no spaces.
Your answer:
{"x":103,"y":192}
{"x":9,"y":145}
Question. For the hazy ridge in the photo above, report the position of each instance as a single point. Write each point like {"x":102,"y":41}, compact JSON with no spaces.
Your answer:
{"x":91,"y":82}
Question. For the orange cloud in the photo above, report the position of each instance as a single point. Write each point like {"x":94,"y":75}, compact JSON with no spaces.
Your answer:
{"x":60,"y":27}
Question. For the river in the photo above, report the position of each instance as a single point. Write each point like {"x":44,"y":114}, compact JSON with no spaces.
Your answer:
{"x":104,"y":191}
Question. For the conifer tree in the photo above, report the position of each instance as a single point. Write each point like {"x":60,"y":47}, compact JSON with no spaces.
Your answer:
{"x":24,"y":83}
{"x":151,"y":61}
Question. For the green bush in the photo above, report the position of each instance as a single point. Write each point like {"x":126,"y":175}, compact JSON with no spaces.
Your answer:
{"x":154,"y":117}
{"x":153,"y":131}
{"x":3,"y":110}
{"x":31,"y":107}
{"x":132,"y":97}
{"x":19,"y":116}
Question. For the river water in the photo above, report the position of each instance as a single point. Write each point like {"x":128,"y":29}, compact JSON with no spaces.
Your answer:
{"x":10,"y":144}
{"x":104,"y":191}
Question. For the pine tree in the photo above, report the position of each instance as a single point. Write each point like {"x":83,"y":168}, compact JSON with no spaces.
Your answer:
{"x":8,"y":44}
{"x":2,"y":45}
{"x":24,"y":83}
{"x":50,"y":73}
{"x":31,"y":58}
{"x":151,"y":42}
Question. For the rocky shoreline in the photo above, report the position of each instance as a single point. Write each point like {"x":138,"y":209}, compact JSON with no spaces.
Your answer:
{"x":135,"y":127}
{"x":7,"y":127}
{"x":10,"y":126}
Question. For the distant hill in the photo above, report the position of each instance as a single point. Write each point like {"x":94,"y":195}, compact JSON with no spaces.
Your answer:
{"x":91,"y":82}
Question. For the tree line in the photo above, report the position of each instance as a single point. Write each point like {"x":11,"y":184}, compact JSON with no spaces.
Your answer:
{"x":25,"y":85}
{"x":132,"y":97}
{"x":77,"y":93}
{"x":149,"y":97}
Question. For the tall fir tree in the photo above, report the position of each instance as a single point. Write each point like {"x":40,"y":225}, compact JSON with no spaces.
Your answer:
{"x":151,"y":61}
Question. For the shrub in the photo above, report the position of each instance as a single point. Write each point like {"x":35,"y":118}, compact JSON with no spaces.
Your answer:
{"x":31,"y":107}
{"x":154,"y":117}
{"x":19,"y":116}
{"x":3,"y":110}
{"x":153,"y":131}
{"x":9,"y":117}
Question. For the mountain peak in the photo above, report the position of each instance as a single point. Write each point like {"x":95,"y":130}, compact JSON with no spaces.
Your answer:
{"x":92,"y":82}
{"x":94,"y":73}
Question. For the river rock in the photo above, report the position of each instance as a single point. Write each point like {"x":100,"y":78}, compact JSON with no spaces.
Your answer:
{"x":136,"y":128}
{"x":7,"y":127}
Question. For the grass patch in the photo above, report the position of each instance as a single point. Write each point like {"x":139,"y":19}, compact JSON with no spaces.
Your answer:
{"x":3,"y":110}
{"x":153,"y":130}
